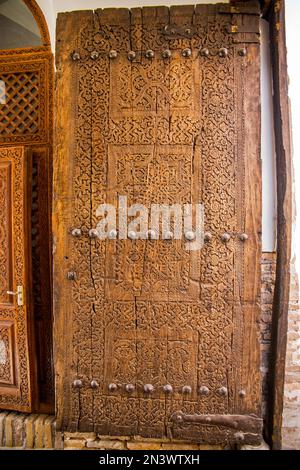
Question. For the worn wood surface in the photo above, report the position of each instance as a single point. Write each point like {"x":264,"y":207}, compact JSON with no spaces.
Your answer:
{"x":159,"y":131}
{"x":284,"y":221}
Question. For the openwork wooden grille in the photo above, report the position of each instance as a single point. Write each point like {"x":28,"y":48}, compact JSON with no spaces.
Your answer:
{"x":19,"y":112}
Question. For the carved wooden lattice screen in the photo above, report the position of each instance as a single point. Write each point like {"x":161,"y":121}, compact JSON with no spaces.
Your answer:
{"x":161,"y":105}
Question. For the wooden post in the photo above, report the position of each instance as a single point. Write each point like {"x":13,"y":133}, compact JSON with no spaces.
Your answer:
{"x":276,"y":17}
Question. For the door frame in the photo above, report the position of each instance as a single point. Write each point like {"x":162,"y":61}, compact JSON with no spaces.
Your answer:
{"x":41,"y":59}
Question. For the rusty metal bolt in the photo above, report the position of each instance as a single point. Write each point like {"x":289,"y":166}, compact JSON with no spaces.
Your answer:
{"x":242,"y":393}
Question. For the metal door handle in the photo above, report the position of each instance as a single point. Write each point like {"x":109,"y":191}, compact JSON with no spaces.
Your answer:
{"x":19,"y":293}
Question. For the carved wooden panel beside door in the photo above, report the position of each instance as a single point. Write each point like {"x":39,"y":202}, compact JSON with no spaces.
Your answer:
{"x":26,"y":78}
{"x":162,"y":106}
{"x":16,"y":359}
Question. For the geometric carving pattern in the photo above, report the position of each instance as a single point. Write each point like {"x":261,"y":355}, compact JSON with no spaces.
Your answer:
{"x":25,"y":96}
{"x":15,"y":387}
{"x":19,"y":113}
{"x":158,"y":175}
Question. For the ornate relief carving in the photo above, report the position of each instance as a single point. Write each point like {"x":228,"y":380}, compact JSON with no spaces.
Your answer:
{"x":5,"y":231}
{"x":145,"y":313}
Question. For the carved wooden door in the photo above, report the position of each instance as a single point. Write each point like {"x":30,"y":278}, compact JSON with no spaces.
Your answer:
{"x":16,"y":364}
{"x":162,"y":106}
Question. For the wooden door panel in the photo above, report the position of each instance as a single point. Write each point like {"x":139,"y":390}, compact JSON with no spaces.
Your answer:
{"x":176,"y":125}
{"x":15,"y":367}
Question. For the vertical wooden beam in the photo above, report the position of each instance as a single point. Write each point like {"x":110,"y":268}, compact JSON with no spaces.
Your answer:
{"x":276,"y":19}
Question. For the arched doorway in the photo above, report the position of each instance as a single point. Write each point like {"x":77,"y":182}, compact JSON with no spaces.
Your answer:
{"x":26,"y":81}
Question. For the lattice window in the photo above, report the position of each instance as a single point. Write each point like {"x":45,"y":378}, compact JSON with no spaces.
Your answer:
{"x":19,"y":108}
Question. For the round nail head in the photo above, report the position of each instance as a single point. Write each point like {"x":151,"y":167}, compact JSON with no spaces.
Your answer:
{"x":186,"y":52}
{"x":112,"y":387}
{"x":131,"y":55}
{"x":76,"y":232}
{"x":112,"y":234}
{"x":148,"y":388}
{"x":77,"y":383}
{"x":166,"y":54}
{"x":94,"y":55}
{"x":190,"y":235}
{"x":204,"y":390}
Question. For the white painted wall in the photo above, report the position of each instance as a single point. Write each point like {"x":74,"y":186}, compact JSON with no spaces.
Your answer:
{"x":52,"y":7}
